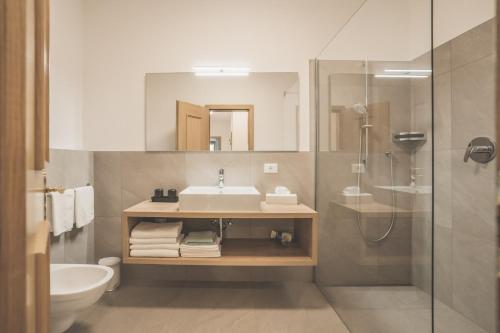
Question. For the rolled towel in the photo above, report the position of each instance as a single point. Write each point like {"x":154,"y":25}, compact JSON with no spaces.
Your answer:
{"x":84,"y":205}
{"x":156,"y":230}
{"x":167,"y":240}
{"x":155,"y":253}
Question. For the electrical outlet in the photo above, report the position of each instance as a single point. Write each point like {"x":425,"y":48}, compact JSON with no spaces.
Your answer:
{"x":270,"y":167}
{"x":357,"y":168}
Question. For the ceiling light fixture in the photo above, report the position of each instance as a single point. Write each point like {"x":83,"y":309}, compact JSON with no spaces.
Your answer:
{"x":401,"y":76}
{"x":408,"y":71}
{"x":221,"y":71}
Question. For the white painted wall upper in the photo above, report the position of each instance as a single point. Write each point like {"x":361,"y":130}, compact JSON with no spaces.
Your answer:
{"x":124,"y":39}
{"x":66,"y":74}
{"x":400,"y":30}
{"x":454,"y":17}
{"x":97,"y":73}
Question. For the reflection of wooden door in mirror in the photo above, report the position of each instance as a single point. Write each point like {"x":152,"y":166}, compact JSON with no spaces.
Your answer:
{"x":193,"y":127}
{"x":242,"y":115}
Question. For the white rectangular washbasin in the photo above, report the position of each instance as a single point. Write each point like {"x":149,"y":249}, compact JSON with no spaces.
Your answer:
{"x":214,"y":198}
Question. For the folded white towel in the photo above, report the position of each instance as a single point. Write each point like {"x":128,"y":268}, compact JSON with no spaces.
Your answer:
{"x":154,"y":246}
{"x":166,"y":240}
{"x":155,"y":253}
{"x":201,"y":246}
{"x":201,"y":250}
{"x":164,"y":246}
{"x":84,"y":205}
{"x":156,"y":230}
{"x":61,"y":211}
{"x":201,"y":255}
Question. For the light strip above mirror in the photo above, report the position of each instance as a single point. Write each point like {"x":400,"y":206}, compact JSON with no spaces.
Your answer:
{"x":405,"y":73}
{"x":221,"y":71}
{"x":408,"y":71}
{"x":401,"y":76}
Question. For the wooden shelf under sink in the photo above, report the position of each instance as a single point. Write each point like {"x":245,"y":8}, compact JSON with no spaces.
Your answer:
{"x":235,"y":251}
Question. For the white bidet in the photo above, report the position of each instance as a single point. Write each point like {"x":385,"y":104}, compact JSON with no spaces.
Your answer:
{"x":74,"y":288}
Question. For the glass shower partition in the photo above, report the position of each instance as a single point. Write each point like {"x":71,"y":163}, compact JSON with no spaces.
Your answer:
{"x":404,"y":91}
{"x":374,"y":168}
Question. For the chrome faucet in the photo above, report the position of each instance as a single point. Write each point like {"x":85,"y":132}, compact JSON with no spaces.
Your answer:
{"x":221,"y":178}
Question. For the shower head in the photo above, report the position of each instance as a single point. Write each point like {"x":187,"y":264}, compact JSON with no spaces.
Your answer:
{"x":360,"y":109}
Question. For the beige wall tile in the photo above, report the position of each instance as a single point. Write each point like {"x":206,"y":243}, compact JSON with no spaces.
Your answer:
{"x":473,"y":44}
{"x":473,"y":101}
{"x":142,"y":172}
{"x":442,"y":111}
{"x":107,"y":170}
{"x":474,"y":281}
{"x":108,"y":237}
{"x":442,"y":59}
{"x":203,"y":168}
{"x":295,"y":171}
{"x":70,"y":169}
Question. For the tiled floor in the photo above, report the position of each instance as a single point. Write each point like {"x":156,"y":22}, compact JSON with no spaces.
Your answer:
{"x":212,"y":307}
{"x":394,"y":309}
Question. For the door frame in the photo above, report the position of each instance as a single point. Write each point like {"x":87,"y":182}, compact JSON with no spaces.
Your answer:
{"x":238,"y":107}
{"x":13,"y":261}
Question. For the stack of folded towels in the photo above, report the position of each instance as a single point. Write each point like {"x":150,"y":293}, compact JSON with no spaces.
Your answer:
{"x":201,"y":244}
{"x":149,"y":239}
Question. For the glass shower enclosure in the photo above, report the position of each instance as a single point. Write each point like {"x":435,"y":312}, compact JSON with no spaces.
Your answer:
{"x":407,"y":228}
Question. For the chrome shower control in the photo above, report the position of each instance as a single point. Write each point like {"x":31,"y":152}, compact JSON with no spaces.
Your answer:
{"x":481,"y":150}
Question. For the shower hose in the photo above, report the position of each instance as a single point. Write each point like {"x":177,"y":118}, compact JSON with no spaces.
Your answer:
{"x":393,"y":213}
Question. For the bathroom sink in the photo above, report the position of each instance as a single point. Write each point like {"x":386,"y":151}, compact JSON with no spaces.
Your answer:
{"x":425,"y":189}
{"x":214,"y":198}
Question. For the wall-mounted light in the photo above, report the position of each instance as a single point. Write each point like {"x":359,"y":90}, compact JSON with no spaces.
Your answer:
{"x":405,"y":73}
{"x":221,"y":71}
{"x":408,"y":71}
{"x":401,"y":76}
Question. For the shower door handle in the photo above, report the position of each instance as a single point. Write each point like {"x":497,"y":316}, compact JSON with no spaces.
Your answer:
{"x":481,"y":150}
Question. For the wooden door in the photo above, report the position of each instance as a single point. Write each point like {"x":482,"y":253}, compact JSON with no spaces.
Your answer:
{"x":193,"y":127}
{"x":24,"y":245}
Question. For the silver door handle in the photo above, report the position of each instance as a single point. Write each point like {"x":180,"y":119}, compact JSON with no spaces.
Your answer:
{"x":481,"y":150}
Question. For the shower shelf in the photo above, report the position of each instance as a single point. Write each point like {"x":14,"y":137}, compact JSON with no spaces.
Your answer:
{"x":235,"y":251}
{"x":411,"y":139}
{"x":375,"y":208}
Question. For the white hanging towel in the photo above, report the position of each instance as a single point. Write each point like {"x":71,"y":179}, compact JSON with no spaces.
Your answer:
{"x":84,"y":205}
{"x":61,"y":211}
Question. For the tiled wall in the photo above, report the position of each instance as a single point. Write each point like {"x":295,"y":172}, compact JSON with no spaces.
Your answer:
{"x":123,"y":179}
{"x":70,"y":169}
{"x":421,"y":162}
{"x":465,"y":231}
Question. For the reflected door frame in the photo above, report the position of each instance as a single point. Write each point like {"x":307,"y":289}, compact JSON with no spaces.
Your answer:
{"x":237,"y":107}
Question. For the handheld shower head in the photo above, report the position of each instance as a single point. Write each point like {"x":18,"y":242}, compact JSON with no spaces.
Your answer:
{"x":359,"y":108}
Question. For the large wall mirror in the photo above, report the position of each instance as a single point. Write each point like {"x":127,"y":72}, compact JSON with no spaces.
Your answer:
{"x":258,"y":112}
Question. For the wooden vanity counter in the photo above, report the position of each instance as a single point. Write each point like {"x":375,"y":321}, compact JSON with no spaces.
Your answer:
{"x":235,"y":251}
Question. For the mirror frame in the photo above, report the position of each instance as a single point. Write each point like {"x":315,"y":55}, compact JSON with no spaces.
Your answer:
{"x":237,"y":107}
